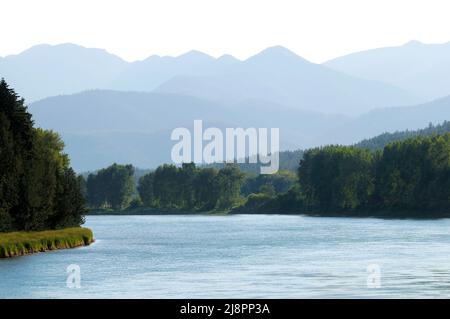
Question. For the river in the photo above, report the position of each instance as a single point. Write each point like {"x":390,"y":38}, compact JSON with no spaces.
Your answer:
{"x":242,"y":256}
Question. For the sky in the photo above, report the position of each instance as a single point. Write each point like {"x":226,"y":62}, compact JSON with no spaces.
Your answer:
{"x":317,"y":30}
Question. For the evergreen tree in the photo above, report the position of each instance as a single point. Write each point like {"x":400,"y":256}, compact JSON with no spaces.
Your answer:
{"x":31,"y":163}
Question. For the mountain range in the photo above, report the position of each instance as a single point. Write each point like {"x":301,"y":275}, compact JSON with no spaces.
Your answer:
{"x":109,"y":110}
{"x":102,"y":126}
{"x":415,"y":67}
{"x":274,"y":75}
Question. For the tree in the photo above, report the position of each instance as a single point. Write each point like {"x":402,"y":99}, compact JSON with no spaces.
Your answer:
{"x":16,"y":142}
{"x":9,"y":169}
{"x":191,"y":188}
{"x":111,"y":187}
{"x":31,"y":164}
{"x":414,"y":175}
{"x":47,"y":163}
{"x":228,"y":182}
{"x":205,"y":189}
{"x":166,"y":187}
{"x":186,"y":177}
{"x":336,"y":177}
{"x":281,"y":182}
{"x":70,"y":202}
{"x":145,"y":189}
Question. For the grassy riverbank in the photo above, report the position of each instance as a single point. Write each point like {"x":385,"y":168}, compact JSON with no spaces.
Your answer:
{"x":24,"y":243}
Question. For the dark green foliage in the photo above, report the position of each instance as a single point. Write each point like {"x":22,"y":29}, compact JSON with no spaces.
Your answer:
{"x":415,"y":175}
{"x":166,"y":188}
{"x":190,"y":188}
{"x":410,"y":178}
{"x":290,"y":202}
{"x":70,"y":201}
{"x":228,"y":182}
{"x":288,"y":161}
{"x":336,"y":177}
{"x":111,"y":187}
{"x":380,"y":141}
{"x":33,"y":173}
{"x":205,"y":188}
{"x":145,"y":189}
{"x":281,"y":182}
{"x":135,"y":203}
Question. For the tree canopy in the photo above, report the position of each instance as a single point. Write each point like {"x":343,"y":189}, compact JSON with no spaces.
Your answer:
{"x":38,"y":189}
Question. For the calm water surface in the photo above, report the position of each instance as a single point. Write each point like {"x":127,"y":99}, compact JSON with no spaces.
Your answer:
{"x":242,"y":256}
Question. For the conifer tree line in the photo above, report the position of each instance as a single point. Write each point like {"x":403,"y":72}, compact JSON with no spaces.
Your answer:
{"x":38,"y":188}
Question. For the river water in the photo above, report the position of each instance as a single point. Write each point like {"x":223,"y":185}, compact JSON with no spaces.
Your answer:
{"x":242,"y":256}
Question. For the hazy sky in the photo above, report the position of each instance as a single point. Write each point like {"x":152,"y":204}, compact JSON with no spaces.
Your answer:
{"x":134,"y":29}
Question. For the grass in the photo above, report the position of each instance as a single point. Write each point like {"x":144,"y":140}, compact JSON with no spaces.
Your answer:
{"x":24,"y":243}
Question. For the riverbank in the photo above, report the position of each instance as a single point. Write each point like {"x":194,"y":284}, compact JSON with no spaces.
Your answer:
{"x":23,"y":243}
{"x":146,"y":211}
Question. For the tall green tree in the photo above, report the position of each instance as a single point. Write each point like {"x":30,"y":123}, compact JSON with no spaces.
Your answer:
{"x":336,"y":177}
{"x":111,"y":187}
{"x":228,"y":183}
{"x":70,"y":201}
{"x":31,"y":164}
{"x":205,"y":189}
{"x":166,"y":187}
{"x":414,"y":175}
{"x":145,"y":189}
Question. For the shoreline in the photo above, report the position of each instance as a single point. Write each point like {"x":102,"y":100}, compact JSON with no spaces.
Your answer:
{"x":362,"y":214}
{"x":21,"y":243}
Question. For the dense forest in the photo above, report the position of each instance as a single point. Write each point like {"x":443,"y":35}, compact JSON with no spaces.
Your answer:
{"x":168,"y":187}
{"x":38,"y":189}
{"x":410,"y":176}
{"x":394,"y":173}
{"x":186,"y":188}
{"x":289,"y":159}
{"x":110,"y":187}
{"x":407,"y":178}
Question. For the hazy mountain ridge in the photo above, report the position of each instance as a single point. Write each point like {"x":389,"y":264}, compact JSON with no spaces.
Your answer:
{"x":275,"y":88}
{"x":279,"y":75}
{"x":46,"y":70}
{"x":112,"y":121}
{"x":414,"y":66}
{"x":100,"y":127}
{"x":390,"y":119}
{"x":275,"y":75}
{"x":148,"y":74}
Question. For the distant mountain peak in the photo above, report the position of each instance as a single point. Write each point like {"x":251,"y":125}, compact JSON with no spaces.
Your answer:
{"x":194,"y":54}
{"x":413,"y":43}
{"x":228,"y":58}
{"x":63,"y":48}
{"x":45,"y":46}
{"x":276,"y":53}
{"x":278,"y":49}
